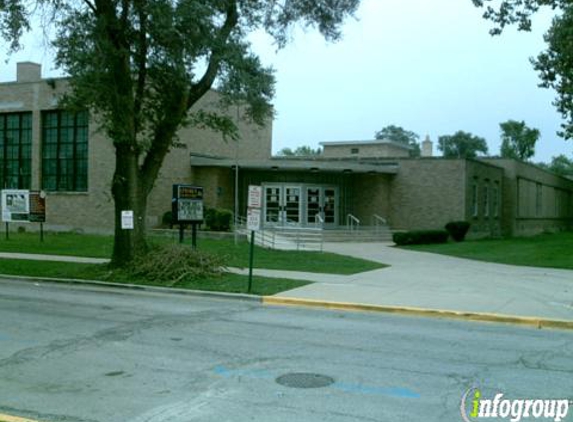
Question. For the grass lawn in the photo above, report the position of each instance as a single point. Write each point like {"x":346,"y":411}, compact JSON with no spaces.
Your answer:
{"x":237,"y":255}
{"x":545,"y":250}
{"x":226,"y":283}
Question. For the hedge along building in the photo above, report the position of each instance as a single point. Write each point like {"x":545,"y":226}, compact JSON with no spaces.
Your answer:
{"x":44,"y":147}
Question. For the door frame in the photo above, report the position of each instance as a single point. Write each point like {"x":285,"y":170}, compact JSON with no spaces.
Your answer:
{"x":303,"y":216}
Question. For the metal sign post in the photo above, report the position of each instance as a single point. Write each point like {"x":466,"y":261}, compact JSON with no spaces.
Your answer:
{"x":253,"y":224}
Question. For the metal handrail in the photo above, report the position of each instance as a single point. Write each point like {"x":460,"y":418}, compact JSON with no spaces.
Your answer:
{"x":318,"y":220}
{"x":378,"y":222}
{"x":352,"y":222}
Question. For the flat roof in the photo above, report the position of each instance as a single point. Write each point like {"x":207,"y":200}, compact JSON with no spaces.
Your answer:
{"x":364,"y":142}
{"x":287,"y":164}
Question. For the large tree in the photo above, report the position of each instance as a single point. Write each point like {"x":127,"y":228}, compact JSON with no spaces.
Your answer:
{"x":560,"y":165}
{"x":555,"y":65}
{"x":517,"y":140}
{"x":461,"y":145}
{"x":141,"y":65}
{"x":402,"y":136}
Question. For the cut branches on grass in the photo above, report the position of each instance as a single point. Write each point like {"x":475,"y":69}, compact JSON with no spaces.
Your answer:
{"x":230,"y":283}
{"x":95,"y":246}
{"x":170,"y":265}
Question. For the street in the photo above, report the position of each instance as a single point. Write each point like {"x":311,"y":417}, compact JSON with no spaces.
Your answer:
{"x":72,"y":353}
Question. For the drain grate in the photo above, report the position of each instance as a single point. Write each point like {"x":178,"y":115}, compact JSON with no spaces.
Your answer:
{"x":304,"y":380}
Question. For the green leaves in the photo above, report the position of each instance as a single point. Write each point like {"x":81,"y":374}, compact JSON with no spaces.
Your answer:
{"x":402,"y":136}
{"x":462,"y":145}
{"x":14,"y":21}
{"x":555,"y":65}
{"x":517,"y":140}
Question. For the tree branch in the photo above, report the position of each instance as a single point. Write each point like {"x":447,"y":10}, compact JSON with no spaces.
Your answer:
{"x":91,"y":6}
{"x":206,"y":81}
{"x":141,"y":60}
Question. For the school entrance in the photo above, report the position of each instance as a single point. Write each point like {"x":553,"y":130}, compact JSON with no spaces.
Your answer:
{"x":300,"y":205}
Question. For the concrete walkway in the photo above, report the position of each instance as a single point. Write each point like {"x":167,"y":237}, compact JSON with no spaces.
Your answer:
{"x":425,"y":280}
{"x":422,"y":280}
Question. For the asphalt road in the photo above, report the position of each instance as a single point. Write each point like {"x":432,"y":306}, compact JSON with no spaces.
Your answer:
{"x":89,"y":354}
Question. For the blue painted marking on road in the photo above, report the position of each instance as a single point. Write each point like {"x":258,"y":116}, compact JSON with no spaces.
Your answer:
{"x":247,"y":373}
{"x":384,"y":391}
{"x":345,"y":387}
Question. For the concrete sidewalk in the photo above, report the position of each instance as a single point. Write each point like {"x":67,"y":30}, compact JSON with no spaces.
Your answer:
{"x":424,"y":281}
{"x":438,"y":282}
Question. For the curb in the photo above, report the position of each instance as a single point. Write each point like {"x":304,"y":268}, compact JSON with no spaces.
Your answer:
{"x":9,"y":418}
{"x":422,"y":312}
{"x":138,"y":287}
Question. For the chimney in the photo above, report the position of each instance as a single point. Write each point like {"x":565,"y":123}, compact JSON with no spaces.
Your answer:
{"x":427,"y":147}
{"x":28,"y":72}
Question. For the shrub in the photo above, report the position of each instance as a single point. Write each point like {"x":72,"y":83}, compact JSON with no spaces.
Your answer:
{"x":218,"y":219}
{"x":167,"y":219}
{"x":458,"y":230}
{"x":169,"y":265}
{"x":420,"y":237}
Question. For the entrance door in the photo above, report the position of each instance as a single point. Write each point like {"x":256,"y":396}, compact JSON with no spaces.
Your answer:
{"x":323,"y":201}
{"x":330,"y":206}
{"x":273,"y":204}
{"x":291,"y":205}
{"x":282,"y":205}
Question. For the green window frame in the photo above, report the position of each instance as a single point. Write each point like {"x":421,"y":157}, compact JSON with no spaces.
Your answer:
{"x":15,"y":150}
{"x":65,"y":151}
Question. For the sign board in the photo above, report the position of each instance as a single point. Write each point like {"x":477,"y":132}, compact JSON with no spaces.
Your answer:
{"x":127,"y":220}
{"x":187,"y":204}
{"x":23,"y":206}
{"x":15,"y":205}
{"x":253,"y":219}
{"x":255,"y":197}
{"x":37,"y":207}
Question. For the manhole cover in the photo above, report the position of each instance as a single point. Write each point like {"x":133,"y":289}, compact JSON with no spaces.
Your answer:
{"x":304,"y":380}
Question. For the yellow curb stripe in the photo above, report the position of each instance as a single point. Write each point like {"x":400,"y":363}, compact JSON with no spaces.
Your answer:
{"x":407,"y":310}
{"x":9,"y":418}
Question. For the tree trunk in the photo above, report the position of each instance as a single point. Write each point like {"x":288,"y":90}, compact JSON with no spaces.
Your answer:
{"x":128,"y":195}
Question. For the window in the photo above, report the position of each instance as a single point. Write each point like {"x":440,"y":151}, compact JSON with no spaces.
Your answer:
{"x":538,"y":199}
{"x":354,"y":150}
{"x":495,"y":200}
{"x":486,"y":199}
{"x":475,"y":206}
{"x":15,"y":150}
{"x":65,"y":151}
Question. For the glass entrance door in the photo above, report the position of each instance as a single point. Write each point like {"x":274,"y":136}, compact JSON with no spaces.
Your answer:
{"x":283,"y":205}
{"x":321,"y":201}
{"x":291,"y":207}
{"x":273,"y":195}
{"x":330,"y":206}
{"x":313,"y":205}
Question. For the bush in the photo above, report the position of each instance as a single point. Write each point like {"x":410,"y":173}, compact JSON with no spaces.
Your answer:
{"x":458,"y":230}
{"x":167,"y":219}
{"x":420,"y":237}
{"x":169,"y":265}
{"x":218,"y":219}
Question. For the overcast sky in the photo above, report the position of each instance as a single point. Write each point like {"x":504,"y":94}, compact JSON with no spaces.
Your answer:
{"x":429,"y":66}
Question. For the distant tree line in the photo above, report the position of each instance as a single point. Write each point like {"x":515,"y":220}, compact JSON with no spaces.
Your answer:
{"x":517,"y":142}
